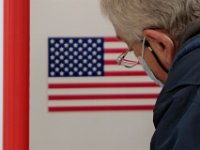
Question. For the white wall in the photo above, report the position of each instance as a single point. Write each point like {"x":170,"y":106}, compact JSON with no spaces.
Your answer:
{"x":1,"y":68}
{"x":129,"y":130}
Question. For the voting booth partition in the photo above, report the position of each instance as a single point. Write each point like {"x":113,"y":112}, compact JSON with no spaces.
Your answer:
{"x":16,"y":75}
{"x":62,"y":86}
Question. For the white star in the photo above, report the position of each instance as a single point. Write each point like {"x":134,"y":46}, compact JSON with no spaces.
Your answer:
{"x":99,"y":65}
{"x":84,"y":53}
{"x":75,"y":45}
{"x":61,"y":65}
{"x":94,"y":53}
{"x":71,"y":57}
{"x":61,"y":49}
{"x":89,"y":56}
{"x":80,"y":65}
{"x":99,"y":41}
{"x":71,"y":65}
{"x":61,"y":57}
{"x":80,"y":57}
{"x":85,"y":61}
{"x":62,"y":73}
{"x":94,"y":45}
{"x":61,"y":41}
{"x":90,"y":73}
{"x":85,"y":69}
{"x":71,"y":41}
{"x":66,"y":53}
{"x":98,"y":56}
{"x":57,"y":53}
{"x":75,"y":61}
{"x":66,"y":45}
{"x":80,"y":49}
{"x":80,"y":41}
{"x":71,"y":73}
{"x":85,"y":45}
{"x":99,"y":49}
{"x":75,"y":69}
{"x":66,"y":69}
{"x":52,"y":73}
{"x":75,"y":53}
{"x":57,"y":45}
{"x":71,"y":49}
{"x":94,"y":69}
{"x":89,"y":40}
{"x":80,"y":73}
{"x":52,"y":49}
{"x":57,"y":69}
{"x":52,"y":41}
{"x":57,"y":61}
{"x":99,"y":73}
{"x":66,"y":61}
{"x":52,"y":65}
{"x":90,"y":65}
{"x":52,"y":57}
{"x":94,"y":61}
{"x":89,"y":49}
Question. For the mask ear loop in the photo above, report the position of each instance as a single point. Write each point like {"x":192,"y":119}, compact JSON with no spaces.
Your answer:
{"x":143,"y":43}
{"x":146,"y":44}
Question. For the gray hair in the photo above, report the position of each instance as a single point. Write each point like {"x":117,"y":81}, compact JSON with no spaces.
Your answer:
{"x":131,"y":17}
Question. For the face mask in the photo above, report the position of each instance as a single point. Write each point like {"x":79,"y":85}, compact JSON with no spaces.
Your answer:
{"x":146,"y":67}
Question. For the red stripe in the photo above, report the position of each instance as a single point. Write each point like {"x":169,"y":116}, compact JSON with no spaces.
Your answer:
{"x":101,"y":108}
{"x":111,"y":39}
{"x":110,"y":96}
{"x":125,"y":73}
{"x":111,"y":51}
{"x":101,"y":85}
{"x":110,"y":62}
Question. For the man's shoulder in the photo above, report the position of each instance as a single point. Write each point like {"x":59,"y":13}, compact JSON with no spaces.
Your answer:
{"x":176,"y":117}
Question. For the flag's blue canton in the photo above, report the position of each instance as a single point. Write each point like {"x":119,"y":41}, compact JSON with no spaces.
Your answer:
{"x":75,"y":57}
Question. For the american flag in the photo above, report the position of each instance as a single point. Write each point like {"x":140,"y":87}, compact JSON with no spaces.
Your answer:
{"x":83,"y":75}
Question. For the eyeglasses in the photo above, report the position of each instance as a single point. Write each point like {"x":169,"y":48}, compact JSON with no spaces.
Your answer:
{"x":126,"y":60}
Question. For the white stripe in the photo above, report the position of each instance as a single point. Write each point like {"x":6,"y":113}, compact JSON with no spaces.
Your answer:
{"x":122,"y":68}
{"x":111,"y":56}
{"x":115,"y":45}
{"x":124,"y":79}
{"x":115,"y":56}
{"x":102,"y":102}
{"x":102,"y":91}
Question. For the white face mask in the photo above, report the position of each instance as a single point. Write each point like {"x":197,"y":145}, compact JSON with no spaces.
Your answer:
{"x":146,"y":67}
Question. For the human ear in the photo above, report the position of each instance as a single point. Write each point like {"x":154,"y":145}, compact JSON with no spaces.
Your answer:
{"x":162,"y":45}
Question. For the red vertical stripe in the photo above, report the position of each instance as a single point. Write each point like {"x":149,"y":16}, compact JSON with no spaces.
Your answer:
{"x":16,"y":75}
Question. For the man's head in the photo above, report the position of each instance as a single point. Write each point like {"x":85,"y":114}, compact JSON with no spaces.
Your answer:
{"x":161,"y":22}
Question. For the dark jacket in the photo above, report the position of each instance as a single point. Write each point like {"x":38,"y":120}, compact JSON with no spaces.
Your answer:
{"x":177,"y":110}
